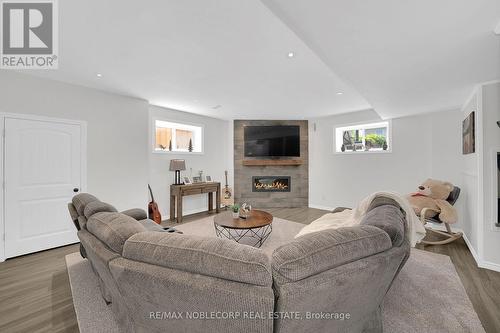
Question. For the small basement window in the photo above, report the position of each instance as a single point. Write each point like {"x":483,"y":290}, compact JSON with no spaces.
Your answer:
{"x":177,"y":137}
{"x":373,"y":137}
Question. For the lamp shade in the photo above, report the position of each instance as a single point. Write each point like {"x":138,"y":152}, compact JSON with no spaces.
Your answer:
{"x":177,"y":165}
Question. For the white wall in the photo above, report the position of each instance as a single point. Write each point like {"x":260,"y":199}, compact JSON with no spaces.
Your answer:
{"x":490,"y":108}
{"x":214,"y":160}
{"x":480,"y":177}
{"x":117,"y":127}
{"x":423,"y":146}
{"x":470,"y":180}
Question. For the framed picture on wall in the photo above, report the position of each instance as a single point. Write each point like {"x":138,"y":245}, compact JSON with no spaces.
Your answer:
{"x":469,"y":134}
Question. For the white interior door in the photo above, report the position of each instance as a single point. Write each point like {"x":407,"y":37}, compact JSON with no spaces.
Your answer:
{"x":42,"y":170}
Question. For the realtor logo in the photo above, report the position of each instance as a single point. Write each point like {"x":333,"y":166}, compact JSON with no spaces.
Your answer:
{"x":29,"y":34}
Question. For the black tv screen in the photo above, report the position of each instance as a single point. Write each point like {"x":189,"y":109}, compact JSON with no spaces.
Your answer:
{"x":270,"y":141}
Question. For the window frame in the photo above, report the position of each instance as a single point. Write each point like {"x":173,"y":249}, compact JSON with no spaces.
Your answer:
{"x":177,"y":122}
{"x":363,"y":125}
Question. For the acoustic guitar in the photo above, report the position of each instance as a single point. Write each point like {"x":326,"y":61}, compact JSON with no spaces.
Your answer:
{"x":227,"y":194}
{"x":153,"y":211}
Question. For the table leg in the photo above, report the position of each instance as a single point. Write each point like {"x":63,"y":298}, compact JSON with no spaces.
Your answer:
{"x":217,"y":199}
{"x":179,"y":209}
{"x":210,"y":201}
{"x":172,"y":208}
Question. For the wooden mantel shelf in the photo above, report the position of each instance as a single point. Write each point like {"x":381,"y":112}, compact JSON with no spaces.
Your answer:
{"x":272,"y":162}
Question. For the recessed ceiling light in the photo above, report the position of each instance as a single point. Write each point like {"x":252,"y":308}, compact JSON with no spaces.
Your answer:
{"x":340,"y":93}
{"x":99,"y":75}
{"x":291,"y":54}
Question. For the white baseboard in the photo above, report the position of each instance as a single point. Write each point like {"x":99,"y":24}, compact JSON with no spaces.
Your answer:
{"x":479,"y":262}
{"x":166,"y":216}
{"x":194,"y":211}
{"x":471,"y":249}
{"x":321,"y":207}
{"x":489,"y":265}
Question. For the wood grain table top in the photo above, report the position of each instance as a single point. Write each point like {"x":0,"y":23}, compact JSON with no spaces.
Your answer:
{"x":257,"y":219}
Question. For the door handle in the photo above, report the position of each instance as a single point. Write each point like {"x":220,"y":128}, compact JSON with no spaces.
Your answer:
{"x":76,"y":189}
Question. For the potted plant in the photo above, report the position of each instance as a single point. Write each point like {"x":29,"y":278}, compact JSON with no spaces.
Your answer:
{"x":236,"y":211}
{"x":384,"y":146}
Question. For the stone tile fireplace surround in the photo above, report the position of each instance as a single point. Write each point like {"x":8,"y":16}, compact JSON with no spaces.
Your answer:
{"x":271,"y":194}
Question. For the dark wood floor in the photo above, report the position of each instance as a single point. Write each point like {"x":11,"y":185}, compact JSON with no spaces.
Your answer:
{"x":35,"y":295}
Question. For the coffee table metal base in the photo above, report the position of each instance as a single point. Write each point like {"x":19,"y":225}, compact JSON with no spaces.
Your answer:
{"x":257,"y":236}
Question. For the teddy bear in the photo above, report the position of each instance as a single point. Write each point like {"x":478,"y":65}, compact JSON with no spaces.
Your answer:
{"x":433,"y":194}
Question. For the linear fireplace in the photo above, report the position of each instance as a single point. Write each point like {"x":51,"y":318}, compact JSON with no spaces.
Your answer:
{"x":271,"y":183}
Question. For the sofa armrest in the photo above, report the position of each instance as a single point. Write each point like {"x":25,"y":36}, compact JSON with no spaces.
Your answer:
{"x":389,"y":218}
{"x":383,"y":201}
{"x":339,"y":209}
{"x":74,"y":215}
{"x":378,"y":201}
{"x":136,"y":213}
{"x":151,"y":225}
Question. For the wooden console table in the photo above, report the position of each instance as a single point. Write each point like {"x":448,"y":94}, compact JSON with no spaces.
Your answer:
{"x":177,"y":192}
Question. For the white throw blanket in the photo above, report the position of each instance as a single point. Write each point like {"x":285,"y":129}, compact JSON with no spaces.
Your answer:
{"x":349,"y":218}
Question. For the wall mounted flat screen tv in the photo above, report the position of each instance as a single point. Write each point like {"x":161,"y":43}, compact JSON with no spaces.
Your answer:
{"x":272,"y":141}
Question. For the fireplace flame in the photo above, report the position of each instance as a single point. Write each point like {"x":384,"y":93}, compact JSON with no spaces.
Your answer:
{"x":276,"y":185}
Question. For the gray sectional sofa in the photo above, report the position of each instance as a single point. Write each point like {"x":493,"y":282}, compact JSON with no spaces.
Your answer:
{"x":329,"y":281}
{"x":85,"y":205}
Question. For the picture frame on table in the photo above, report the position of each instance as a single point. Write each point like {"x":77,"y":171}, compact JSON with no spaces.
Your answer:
{"x":197,"y":179}
{"x":208,"y":179}
{"x":187,"y":180}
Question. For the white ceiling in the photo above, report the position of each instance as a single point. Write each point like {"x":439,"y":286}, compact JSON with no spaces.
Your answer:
{"x":404,"y":57}
{"x":398,"y":57}
{"x":192,"y":55}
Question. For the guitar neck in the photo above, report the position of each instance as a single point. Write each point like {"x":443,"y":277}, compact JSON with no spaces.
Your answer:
{"x":151,"y":193}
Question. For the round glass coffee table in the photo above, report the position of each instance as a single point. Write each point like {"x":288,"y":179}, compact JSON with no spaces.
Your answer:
{"x":253,"y":230}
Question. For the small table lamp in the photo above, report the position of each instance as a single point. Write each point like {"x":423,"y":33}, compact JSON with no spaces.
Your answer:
{"x":177,"y":166}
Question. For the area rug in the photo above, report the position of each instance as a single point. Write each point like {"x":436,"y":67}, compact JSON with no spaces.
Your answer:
{"x":283,"y":231}
{"x":427,"y":296}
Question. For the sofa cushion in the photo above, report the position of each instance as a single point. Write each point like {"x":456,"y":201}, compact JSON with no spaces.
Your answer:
{"x":388,"y":218}
{"x":151,"y":225}
{"x":97,"y":207}
{"x":320,"y":251}
{"x":208,"y":256}
{"x":136,"y":213}
{"x":113,"y":229}
{"x":81,"y":200}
